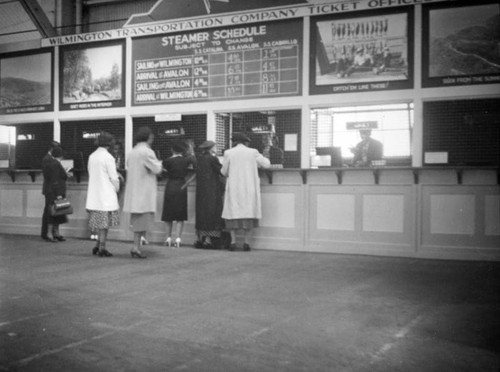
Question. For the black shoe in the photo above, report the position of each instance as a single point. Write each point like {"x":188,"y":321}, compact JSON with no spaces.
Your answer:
{"x":246,"y":248}
{"x":208,"y":245}
{"x":104,"y":253}
{"x":49,"y":239}
{"x":60,"y":238}
{"x":198,"y":244}
{"x":232,"y":247}
{"x":95,"y":250}
{"x":137,"y":254}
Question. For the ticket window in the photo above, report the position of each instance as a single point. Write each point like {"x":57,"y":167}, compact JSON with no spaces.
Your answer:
{"x":7,"y":146}
{"x":340,"y":130}
{"x":78,"y":139}
{"x":190,"y":129}
{"x":32,"y":142}
{"x":275,"y":134}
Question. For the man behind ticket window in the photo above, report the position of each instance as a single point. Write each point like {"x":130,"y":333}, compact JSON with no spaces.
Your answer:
{"x":367,"y":150}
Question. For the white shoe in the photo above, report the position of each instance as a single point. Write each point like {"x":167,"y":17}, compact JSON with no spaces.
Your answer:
{"x":168,"y":242}
{"x":144,"y":241}
{"x":177,"y":243}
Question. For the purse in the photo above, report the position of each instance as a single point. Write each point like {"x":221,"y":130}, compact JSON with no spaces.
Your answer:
{"x":61,"y":207}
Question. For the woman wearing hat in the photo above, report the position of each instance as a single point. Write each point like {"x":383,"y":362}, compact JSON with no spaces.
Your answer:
{"x":242,"y":203}
{"x":175,"y":199}
{"x":209,"y":190}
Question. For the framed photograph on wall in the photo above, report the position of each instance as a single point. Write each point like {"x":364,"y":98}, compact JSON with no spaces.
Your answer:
{"x":367,"y":52}
{"x":26,"y":82}
{"x":461,"y":43}
{"x":92,"y":76}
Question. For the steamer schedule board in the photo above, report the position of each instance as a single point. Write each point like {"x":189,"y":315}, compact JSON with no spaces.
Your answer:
{"x":250,"y":61}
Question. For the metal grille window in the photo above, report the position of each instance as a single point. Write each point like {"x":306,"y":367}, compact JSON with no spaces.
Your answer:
{"x":78,"y":138}
{"x":467,"y":131}
{"x":392,"y":123}
{"x":190,"y":129}
{"x":260,"y":126}
{"x":32,"y":143}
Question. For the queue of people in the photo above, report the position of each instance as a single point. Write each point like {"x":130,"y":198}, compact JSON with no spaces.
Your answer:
{"x":227,"y":198}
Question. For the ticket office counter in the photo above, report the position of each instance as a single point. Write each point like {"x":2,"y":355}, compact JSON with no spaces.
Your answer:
{"x":445,"y":213}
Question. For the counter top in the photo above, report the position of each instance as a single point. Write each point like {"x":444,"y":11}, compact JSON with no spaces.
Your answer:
{"x":456,"y":173}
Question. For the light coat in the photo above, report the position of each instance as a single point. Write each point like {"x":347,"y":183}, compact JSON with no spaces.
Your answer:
{"x":141,"y":188}
{"x":103,"y":182}
{"x":242,"y":197}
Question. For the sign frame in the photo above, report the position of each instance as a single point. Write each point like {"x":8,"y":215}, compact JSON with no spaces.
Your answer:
{"x":387,"y":45}
{"x":443,"y":57}
{"x":155,"y":77}
{"x":26,"y":65}
{"x":88,"y":92}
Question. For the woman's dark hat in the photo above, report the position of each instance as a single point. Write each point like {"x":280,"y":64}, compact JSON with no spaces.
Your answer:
{"x":179,"y":147}
{"x":207,"y":145}
{"x":240,"y":137}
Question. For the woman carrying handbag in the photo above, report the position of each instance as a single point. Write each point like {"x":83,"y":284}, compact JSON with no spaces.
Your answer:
{"x":55,"y":176}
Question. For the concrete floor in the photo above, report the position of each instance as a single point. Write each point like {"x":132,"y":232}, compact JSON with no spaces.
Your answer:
{"x":63,"y":309}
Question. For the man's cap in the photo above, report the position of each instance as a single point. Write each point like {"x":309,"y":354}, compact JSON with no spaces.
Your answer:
{"x":207,"y":145}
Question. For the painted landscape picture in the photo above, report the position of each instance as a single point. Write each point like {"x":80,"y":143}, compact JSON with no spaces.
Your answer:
{"x":26,"y":80}
{"x":464,"y":41}
{"x":92,"y":74}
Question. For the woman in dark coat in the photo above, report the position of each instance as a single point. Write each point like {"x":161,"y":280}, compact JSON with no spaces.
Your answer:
{"x":55,"y":178}
{"x":209,"y":189}
{"x":175,"y":199}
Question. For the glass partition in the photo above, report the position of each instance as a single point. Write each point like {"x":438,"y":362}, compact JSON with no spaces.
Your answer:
{"x":375,"y":135}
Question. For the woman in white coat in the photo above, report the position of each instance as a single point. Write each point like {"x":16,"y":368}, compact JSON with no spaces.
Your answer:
{"x":141,"y":188}
{"x":242,"y":202}
{"x":102,"y":200}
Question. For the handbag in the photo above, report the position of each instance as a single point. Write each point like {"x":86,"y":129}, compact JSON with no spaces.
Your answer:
{"x":61,"y":207}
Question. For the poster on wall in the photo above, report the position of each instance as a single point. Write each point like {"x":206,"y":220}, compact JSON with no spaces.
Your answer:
{"x":368,"y":52}
{"x":92,"y":76}
{"x":461,"y":44}
{"x":26,"y":82}
{"x":248,"y":61}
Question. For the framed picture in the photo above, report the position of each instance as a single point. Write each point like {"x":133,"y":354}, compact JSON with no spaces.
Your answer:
{"x":92,"y":76}
{"x":26,"y":82}
{"x":366,"y":52}
{"x":460,"y":43}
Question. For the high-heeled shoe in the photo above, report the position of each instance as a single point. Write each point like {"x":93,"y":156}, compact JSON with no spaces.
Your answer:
{"x":144,"y":241}
{"x":168,"y":242}
{"x":60,"y":238}
{"x":177,"y":243}
{"x":95,"y":250}
{"x":105,"y":253}
{"x":137,"y":254}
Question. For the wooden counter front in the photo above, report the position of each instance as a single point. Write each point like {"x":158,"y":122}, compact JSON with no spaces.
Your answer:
{"x":445,"y":212}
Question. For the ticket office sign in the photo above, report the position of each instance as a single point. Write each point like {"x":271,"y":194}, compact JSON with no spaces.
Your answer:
{"x":251,"y":61}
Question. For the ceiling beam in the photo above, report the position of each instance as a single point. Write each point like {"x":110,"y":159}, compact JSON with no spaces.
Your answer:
{"x":39,"y":18}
